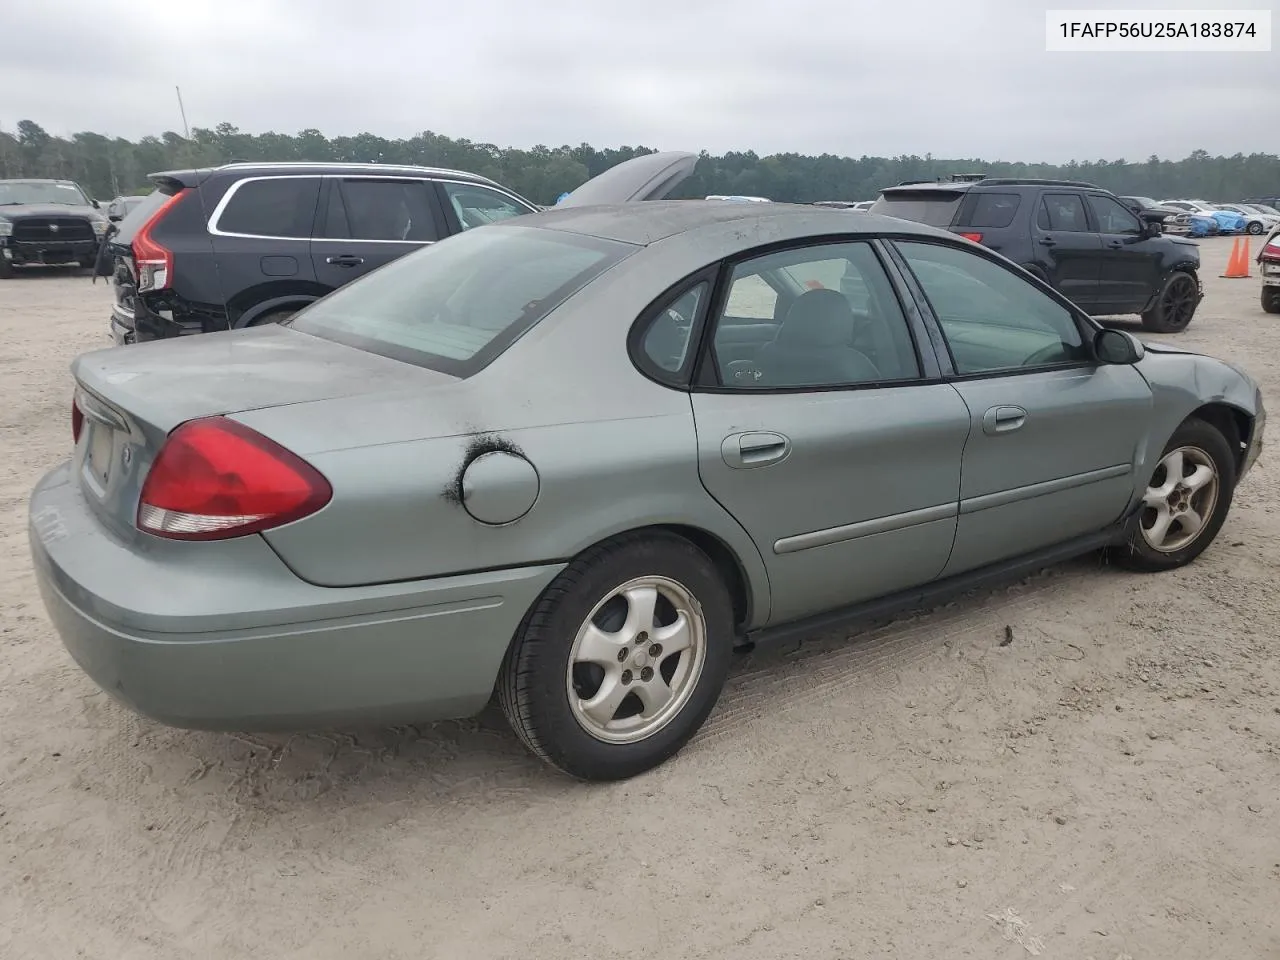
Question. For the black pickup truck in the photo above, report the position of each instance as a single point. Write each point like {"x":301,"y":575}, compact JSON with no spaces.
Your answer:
{"x":47,"y":222}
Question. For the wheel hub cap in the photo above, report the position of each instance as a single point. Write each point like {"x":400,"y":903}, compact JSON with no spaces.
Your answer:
{"x":1180,"y":501}
{"x":636,"y":660}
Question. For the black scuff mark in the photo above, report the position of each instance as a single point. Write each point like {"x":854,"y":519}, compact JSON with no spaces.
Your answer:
{"x":477,"y":447}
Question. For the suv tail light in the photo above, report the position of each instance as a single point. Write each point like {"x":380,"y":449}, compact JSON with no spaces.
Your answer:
{"x":77,"y":421}
{"x":1271,"y":252}
{"x":215,"y":479}
{"x":975,"y":237}
{"x":153,"y":260}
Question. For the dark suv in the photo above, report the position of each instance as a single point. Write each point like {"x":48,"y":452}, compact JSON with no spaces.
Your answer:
{"x":1078,"y":238}
{"x":246,"y":244}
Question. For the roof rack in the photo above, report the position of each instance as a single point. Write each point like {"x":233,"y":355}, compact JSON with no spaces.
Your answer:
{"x":968,"y":177}
{"x":1013,"y":181}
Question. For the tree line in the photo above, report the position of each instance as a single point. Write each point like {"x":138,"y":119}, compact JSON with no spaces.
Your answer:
{"x":112,"y":166}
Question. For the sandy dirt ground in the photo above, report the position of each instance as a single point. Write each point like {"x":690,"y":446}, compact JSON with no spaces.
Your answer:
{"x":1107,"y":786}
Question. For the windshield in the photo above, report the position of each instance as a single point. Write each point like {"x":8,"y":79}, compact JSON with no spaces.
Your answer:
{"x":457,"y":304}
{"x":41,"y":191}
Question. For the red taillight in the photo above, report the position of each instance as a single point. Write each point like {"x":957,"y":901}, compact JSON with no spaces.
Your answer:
{"x":975,"y":237}
{"x":77,"y":421}
{"x":1271,"y":252}
{"x":154,"y":261}
{"x":216,"y":479}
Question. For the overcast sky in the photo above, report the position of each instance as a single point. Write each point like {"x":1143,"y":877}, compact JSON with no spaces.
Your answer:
{"x":958,"y":78}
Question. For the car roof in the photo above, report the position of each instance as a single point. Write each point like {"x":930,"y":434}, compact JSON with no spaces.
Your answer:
{"x":37,"y":180}
{"x":649,"y":221}
{"x":295,"y":168}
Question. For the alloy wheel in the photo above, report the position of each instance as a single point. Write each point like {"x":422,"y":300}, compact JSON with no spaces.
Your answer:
{"x":636,"y":660}
{"x":1180,"y":501}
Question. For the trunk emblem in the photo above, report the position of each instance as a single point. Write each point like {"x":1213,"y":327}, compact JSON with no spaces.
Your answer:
{"x":53,"y":228}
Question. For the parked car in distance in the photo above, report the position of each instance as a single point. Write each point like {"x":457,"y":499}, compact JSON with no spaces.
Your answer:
{"x":1228,"y":220}
{"x":247,"y":244}
{"x":1269,"y":261}
{"x":1273,"y":202}
{"x":1171,"y":219}
{"x":121,"y":207}
{"x":737,"y":198}
{"x":47,"y":222}
{"x":1076,"y":237}
{"x":398,"y":501}
{"x":1262,"y":208}
{"x":864,"y":205}
{"x":1256,"y":221}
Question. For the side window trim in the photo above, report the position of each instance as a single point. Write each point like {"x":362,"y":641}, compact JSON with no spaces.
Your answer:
{"x":705,"y":378}
{"x":1087,"y":327}
{"x":221,"y":206}
{"x":682,"y":378}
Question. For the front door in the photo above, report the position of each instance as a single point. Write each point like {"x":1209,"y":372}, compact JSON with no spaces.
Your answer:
{"x":1054,"y":437}
{"x":1068,"y":249}
{"x":822,"y":437}
{"x":369,"y":221}
{"x":1130,"y":261}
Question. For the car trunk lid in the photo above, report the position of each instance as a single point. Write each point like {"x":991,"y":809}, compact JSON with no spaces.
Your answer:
{"x":131,"y":398}
{"x":651,"y":176}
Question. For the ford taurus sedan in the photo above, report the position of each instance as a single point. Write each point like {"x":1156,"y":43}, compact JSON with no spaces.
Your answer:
{"x":576,"y":457}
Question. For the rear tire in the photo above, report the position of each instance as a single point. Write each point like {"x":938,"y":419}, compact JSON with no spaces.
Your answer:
{"x":588,"y":684}
{"x":1186,"y":500}
{"x":1175,"y":304}
{"x":1271,"y":299}
{"x":1255,"y":228}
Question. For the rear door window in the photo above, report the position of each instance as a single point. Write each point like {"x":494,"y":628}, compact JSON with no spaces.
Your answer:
{"x":1063,"y":212}
{"x":379,"y":209}
{"x":934,"y":207}
{"x":283,"y":207}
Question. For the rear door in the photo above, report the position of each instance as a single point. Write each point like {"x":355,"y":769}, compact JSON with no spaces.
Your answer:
{"x":261,"y":230}
{"x":1055,"y":436}
{"x":368,"y":221}
{"x":1070,"y":250}
{"x":842,"y":462}
{"x":1129,"y":268}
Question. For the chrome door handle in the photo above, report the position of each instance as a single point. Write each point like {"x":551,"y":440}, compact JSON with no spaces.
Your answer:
{"x":1003,"y":419}
{"x":756,"y":449}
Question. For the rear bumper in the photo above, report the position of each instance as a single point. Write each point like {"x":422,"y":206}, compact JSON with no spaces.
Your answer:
{"x":227,"y":637}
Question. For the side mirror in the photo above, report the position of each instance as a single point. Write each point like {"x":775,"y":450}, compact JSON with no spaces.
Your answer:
{"x":95,"y":204}
{"x":1152,"y":228}
{"x":114,"y":217}
{"x":1117,"y":347}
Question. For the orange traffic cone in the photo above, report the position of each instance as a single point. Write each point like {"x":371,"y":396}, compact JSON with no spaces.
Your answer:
{"x":1238,"y":262}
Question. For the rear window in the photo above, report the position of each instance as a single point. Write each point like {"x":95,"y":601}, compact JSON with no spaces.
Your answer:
{"x":934,"y":207}
{"x":992,"y":210}
{"x":136,"y":217}
{"x":456,"y":305}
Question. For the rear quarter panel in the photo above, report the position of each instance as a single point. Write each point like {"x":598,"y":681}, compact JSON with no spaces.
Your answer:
{"x":613,"y":452}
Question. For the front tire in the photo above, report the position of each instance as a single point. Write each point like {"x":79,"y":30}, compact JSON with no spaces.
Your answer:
{"x":6,"y":269}
{"x":621,"y":659}
{"x":1186,"y":500}
{"x":1271,"y":299}
{"x":1175,"y":304}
